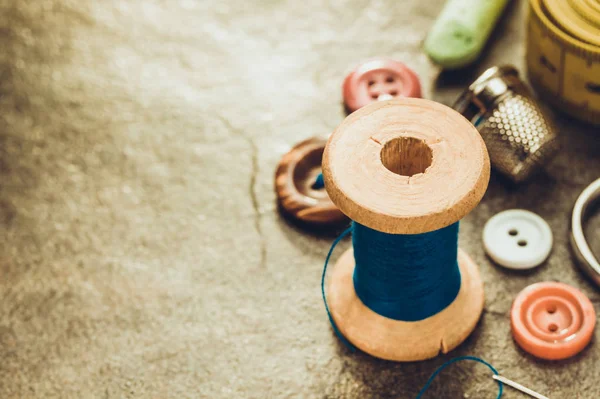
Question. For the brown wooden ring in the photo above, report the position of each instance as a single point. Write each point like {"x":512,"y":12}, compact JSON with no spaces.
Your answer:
{"x":294,"y":180}
{"x":405,"y":166}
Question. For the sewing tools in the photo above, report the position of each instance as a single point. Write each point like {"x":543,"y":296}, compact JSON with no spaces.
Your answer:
{"x":583,"y":253}
{"x":378,"y":80}
{"x":300,"y":192}
{"x":519,"y":387}
{"x":519,"y":136}
{"x":461,"y":31}
{"x":495,"y":375}
{"x":552,"y":320}
{"x":563,"y":55}
{"x":517,"y":239}
{"x":405,"y":171}
{"x":298,"y":180}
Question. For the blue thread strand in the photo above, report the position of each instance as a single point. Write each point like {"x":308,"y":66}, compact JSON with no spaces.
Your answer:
{"x":335,"y":329}
{"x":457,"y":359}
{"x":319,"y":182}
{"x":406,"y":277}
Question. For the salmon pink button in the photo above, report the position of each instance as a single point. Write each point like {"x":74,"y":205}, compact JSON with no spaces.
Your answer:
{"x":552,"y":320}
{"x":379,"y":80}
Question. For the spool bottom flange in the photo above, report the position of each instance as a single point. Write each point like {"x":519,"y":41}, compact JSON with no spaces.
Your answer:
{"x":400,"y":340}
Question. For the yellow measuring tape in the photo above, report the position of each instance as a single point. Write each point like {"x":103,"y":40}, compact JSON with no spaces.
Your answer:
{"x":563,"y":55}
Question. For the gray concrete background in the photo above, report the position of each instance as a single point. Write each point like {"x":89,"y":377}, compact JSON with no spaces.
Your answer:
{"x":142,"y":254}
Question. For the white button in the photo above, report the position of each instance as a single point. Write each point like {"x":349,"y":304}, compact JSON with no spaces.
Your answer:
{"x":517,"y":239}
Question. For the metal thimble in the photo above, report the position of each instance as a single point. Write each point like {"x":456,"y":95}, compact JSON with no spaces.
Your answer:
{"x":519,"y":137}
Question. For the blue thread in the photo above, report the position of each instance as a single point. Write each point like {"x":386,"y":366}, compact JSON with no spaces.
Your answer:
{"x":457,"y":359}
{"x":406,"y":277}
{"x":478,"y":121}
{"x":402,"y":277}
{"x":335,"y":329}
{"x":319,"y":183}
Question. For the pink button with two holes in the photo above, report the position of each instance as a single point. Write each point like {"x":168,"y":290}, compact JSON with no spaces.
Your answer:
{"x":552,"y":320}
{"x":379,"y":80}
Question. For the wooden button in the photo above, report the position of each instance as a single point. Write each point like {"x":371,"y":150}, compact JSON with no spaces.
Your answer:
{"x":379,"y":80}
{"x":552,"y":320}
{"x":297,"y":194}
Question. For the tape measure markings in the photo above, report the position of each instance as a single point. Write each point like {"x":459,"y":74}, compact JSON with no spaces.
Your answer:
{"x":562,"y":67}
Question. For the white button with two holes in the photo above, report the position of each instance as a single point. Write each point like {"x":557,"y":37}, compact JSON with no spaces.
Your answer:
{"x":517,"y":239}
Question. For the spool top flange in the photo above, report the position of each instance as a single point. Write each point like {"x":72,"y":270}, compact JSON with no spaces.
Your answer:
{"x":406,"y":166}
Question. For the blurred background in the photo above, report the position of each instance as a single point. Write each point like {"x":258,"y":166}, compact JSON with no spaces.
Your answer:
{"x":142,"y":254}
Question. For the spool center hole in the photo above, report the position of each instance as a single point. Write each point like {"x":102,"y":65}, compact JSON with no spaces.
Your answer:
{"x":406,"y":156}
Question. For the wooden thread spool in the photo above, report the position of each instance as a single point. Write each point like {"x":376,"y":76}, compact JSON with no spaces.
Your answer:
{"x":405,"y":166}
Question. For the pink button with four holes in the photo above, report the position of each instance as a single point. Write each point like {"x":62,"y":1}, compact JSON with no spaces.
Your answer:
{"x":379,"y":80}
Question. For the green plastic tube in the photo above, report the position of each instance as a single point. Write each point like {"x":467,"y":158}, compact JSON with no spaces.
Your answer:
{"x":461,"y":30}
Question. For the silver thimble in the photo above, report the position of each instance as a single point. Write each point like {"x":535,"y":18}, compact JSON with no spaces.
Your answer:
{"x":518,"y":135}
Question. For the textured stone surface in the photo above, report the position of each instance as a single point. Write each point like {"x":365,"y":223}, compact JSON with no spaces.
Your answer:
{"x":142,"y":254}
